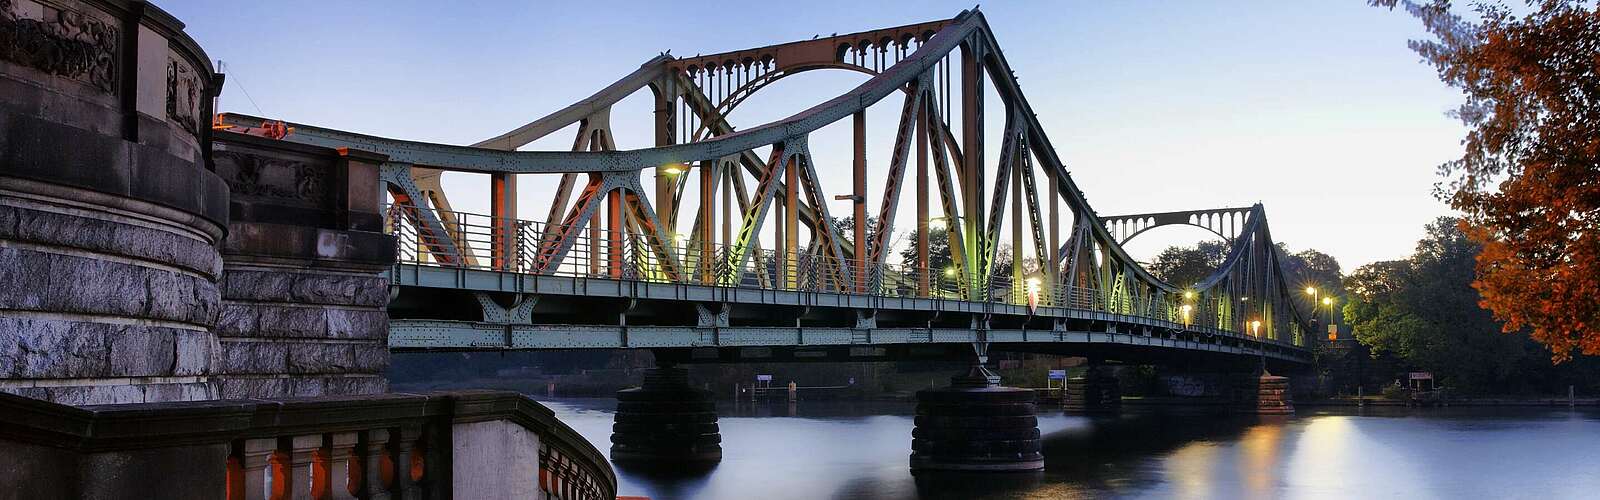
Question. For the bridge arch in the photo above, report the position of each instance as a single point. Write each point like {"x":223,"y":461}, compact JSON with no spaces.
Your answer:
{"x":1225,"y":223}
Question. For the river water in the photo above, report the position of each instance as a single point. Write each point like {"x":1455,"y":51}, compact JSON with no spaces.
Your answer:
{"x":860,"y":450}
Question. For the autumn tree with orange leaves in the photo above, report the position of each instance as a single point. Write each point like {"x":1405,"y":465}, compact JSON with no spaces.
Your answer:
{"x":1528,"y":183}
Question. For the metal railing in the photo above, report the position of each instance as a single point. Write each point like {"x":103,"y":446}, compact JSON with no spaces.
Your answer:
{"x":479,"y":241}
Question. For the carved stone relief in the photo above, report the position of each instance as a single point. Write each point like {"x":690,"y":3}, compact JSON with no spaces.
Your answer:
{"x":184,"y":93}
{"x":61,"y":42}
{"x":262,"y":176}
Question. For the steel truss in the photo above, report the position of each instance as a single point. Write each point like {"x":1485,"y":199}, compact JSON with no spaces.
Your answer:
{"x":603,"y":224}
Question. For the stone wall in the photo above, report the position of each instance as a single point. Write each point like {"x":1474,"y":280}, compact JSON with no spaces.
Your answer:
{"x":288,"y":332}
{"x":109,"y":218}
{"x":303,"y":299}
{"x":143,"y":261}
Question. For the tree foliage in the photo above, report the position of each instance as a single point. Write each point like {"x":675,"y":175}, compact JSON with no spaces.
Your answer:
{"x":1424,"y":311}
{"x":1528,"y":182}
{"x":1185,"y":266}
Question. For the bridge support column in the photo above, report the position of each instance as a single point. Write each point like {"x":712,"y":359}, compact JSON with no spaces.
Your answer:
{"x":1264,"y":394}
{"x":665,"y":421}
{"x":1097,"y":391}
{"x":976,"y":425}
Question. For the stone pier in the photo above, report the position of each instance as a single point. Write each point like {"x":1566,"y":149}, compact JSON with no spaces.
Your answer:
{"x":1096,"y":392}
{"x":666,"y":421}
{"x":145,"y":257}
{"x":976,"y":425}
{"x":1262,"y":393}
{"x":303,"y":294}
{"x":109,"y":215}
{"x":1272,"y":396}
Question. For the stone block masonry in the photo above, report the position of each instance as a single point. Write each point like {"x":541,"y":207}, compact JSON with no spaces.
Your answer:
{"x":294,"y":332}
{"x":143,"y":258}
{"x":109,"y":217}
{"x":303,"y":298}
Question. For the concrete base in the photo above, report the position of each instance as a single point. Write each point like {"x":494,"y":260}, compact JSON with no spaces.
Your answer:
{"x":666,"y":421}
{"x":965,"y":428}
{"x":1096,"y":392}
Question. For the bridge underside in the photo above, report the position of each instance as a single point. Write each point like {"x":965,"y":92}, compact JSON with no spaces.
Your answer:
{"x":697,"y":323}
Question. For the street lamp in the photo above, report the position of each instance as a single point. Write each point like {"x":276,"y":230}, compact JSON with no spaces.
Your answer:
{"x":1033,"y":292}
{"x":1261,"y":347}
{"x":1316,"y":321}
{"x":1188,"y":315}
{"x":1327,"y":302}
{"x":672,"y":168}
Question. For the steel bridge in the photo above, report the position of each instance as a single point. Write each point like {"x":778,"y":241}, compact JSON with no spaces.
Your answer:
{"x":735,"y":255}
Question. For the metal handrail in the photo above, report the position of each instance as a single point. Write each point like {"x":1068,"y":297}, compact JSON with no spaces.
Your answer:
{"x":601,"y":253}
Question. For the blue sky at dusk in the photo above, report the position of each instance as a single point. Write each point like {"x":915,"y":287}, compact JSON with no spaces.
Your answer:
{"x":1316,"y":109}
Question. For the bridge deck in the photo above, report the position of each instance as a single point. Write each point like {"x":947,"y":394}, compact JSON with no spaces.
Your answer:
{"x":917,"y":321}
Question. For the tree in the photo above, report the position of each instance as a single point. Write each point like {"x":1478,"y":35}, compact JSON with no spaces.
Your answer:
{"x":1185,"y":266}
{"x":1424,"y":311}
{"x":938,"y":253}
{"x":1528,"y":182}
{"x":846,"y":227}
{"x":1311,"y":268}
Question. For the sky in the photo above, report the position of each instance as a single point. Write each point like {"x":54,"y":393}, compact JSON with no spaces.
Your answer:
{"x":1318,"y":110}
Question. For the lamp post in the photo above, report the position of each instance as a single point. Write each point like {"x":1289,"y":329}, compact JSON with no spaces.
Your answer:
{"x":1316,"y":320}
{"x":1244,"y":303}
{"x":1033,"y":292}
{"x":1261,"y":347}
{"x":1327,"y":302}
{"x":940,"y":224}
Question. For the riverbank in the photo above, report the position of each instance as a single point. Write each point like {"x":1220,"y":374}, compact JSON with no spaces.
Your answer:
{"x":1464,"y":401}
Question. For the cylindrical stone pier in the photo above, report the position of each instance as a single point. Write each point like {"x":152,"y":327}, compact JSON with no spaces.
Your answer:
{"x":976,"y":425}
{"x":1096,"y":392}
{"x":109,"y":214}
{"x":666,"y":421}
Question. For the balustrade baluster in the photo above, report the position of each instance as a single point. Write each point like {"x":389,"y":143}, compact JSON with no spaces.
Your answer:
{"x":259,"y":472}
{"x":410,"y":463}
{"x":377,"y":465}
{"x":303,"y":480}
{"x":344,"y":474}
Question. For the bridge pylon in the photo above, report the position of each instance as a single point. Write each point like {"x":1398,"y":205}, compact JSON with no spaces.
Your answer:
{"x":1097,"y":391}
{"x":976,"y":424}
{"x":666,"y":421}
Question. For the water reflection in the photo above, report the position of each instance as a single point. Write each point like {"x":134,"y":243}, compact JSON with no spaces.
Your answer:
{"x":857,"y":450}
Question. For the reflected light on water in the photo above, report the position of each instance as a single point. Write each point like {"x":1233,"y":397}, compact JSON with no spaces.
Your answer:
{"x":1190,"y":470}
{"x":844,"y":450}
{"x":1325,"y":448}
{"x":1260,"y":446}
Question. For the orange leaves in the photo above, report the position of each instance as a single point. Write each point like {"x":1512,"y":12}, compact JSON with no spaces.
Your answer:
{"x":1533,"y":110}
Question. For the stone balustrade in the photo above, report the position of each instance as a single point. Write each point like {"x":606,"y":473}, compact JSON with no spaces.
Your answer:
{"x":472,"y":444}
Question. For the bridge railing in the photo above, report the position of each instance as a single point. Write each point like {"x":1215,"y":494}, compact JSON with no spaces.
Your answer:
{"x":482,"y":242}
